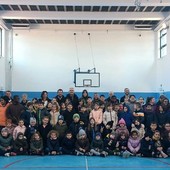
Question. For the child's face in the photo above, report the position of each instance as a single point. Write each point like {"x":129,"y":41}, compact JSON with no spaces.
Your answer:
{"x":36,"y":136}
{"x":98,"y":137}
{"x":53,"y":135}
{"x":76,"y":119}
{"x":122,"y":125}
{"x":89,"y":100}
{"x":83,"y":136}
{"x":33,"y":123}
{"x":92,"y":121}
{"x":167,"y":126}
{"x":45,"y":121}
{"x":157,"y":135}
{"x":69,"y":107}
{"x":63,"y":106}
{"x":21,"y":123}
{"x":60,"y":121}
{"x":41,"y":106}
{"x":153,"y":126}
{"x":20,"y":137}
{"x":96,"y":107}
{"x":30,"y":107}
{"x":109,"y":108}
{"x":54,"y":107}
{"x":147,"y":138}
{"x":69,"y":136}
{"x":137,"y":123}
{"x":83,"y":109}
{"x":134,"y":136}
{"x":125,"y":109}
{"x":122,"y":136}
{"x":54,"y":100}
{"x":4,"y":133}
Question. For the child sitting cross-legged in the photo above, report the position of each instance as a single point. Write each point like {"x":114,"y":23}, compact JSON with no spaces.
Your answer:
{"x":97,"y":146}
{"x":53,"y":147}
{"x":36,"y":144}
{"x":82,"y":143}
{"x":20,"y":146}
{"x":68,"y":144}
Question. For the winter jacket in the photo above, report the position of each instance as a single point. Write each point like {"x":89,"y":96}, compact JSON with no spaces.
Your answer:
{"x":17,"y":130}
{"x":83,"y":143}
{"x":97,"y":144}
{"x":36,"y":144}
{"x":53,"y":145}
{"x":97,"y":115}
{"x":134,"y":145}
{"x":5,"y":141}
{"x":68,"y":145}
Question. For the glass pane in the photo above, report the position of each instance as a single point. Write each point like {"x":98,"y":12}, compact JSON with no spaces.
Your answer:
{"x":163,"y":52}
{"x":163,"y":31}
{"x":163,"y":40}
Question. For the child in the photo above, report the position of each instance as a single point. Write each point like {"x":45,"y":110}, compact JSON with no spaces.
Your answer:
{"x":122,"y":128}
{"x":68,"y":114}
{"x":31,"y":129}
{"x":54,"y":114}
{"x":127,"y":116}
{"x":152,"y":129}
{"x":53,"y":147}
{"x":166,"y":144}
{"x":157,"y":147}
{"x":97,"y":114}
{"x":28,"y":114}
{"x":62,"y":108}
{"x":110,"y":144}
{"x":84,"y":116}
{"x":146,"y":144}
{"x":138,"y":112}
{"x":20,"y":145}
{"x":97,"y":146}
{"x":75,"y":125}
{"x":110,"y":116}
{"x":139,"y":127}
{"x":41,"y":112}
{"x":5,"y":142}
{"x":61,"y":127}
{"x":36,"y":144}
{"x":10,"y":126}
{"x":44,"y":129}
{"x":68,"y":144}
{"x":91,"y":129}
{"x":82,"y":143}
{"x":134,"y":143}
{"x":122,"y":144}
{"x":107,"y":129}
{"x":20,"y":128}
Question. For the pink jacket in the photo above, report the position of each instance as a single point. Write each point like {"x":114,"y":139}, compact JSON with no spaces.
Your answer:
{"x":97,"y":115}
{"x":17,"y":130}
{"x":134,"y":145}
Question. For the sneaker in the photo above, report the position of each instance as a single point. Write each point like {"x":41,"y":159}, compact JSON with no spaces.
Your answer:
{"x":7,"y":154}
{"x":126,"y":154}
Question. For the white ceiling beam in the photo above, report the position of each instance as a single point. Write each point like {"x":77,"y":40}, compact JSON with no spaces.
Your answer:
{"x":86,"y":2}
{"x":83,"y":15}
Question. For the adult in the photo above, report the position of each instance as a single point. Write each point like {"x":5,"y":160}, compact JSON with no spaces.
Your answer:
{"x":44,"y":98}
{"x":73,"y":98}
{"x":14,"y":110}
{"x":126,"y":95}
{"x":60,"y":97}
{"x":3,"y":107}
{"x":8,"y":95}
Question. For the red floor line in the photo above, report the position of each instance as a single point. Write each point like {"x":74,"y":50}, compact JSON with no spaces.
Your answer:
{"x":12,"y":163}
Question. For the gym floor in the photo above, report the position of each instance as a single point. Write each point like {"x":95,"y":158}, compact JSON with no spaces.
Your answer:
{"x":65,"y":162}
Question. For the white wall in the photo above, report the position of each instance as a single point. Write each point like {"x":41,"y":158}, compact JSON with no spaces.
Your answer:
{"x":5,"y":71}
{"x":45,"y":59}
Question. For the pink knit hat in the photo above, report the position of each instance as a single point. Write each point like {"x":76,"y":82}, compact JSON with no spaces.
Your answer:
{"x":122,"y":121}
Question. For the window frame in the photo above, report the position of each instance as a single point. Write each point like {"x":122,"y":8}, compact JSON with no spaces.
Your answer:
{"x":164,"y":46}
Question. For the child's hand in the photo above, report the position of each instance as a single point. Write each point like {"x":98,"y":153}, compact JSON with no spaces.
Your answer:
{"x":53,"y":152}
{"x":21,"y":149}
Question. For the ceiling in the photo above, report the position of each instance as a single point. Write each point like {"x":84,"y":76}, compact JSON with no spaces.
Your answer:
{"x":84,"y":12}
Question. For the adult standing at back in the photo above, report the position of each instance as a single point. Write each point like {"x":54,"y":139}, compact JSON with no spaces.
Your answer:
{"x":73,"y":98}
{"x":3,"y":107}
{"x":14,"y":110}
{"x":126,"y":96}
{"x":60,"y":97}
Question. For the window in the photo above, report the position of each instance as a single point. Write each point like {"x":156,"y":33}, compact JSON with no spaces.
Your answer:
{"x":0,"y":42}
{"x":163,"y":42}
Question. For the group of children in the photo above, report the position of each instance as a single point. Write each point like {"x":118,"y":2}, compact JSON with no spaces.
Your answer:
{"x":102,"y":129}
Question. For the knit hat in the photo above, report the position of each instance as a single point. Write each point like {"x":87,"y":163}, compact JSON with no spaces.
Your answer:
{"x":98,"y":134}
{"x":61,"y":117}
{"x":81,"y":132}
{"x":76,"y":115}
{"x":122,"y":121}
{"x":4,"y":130}
{"x":32,"y":119}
